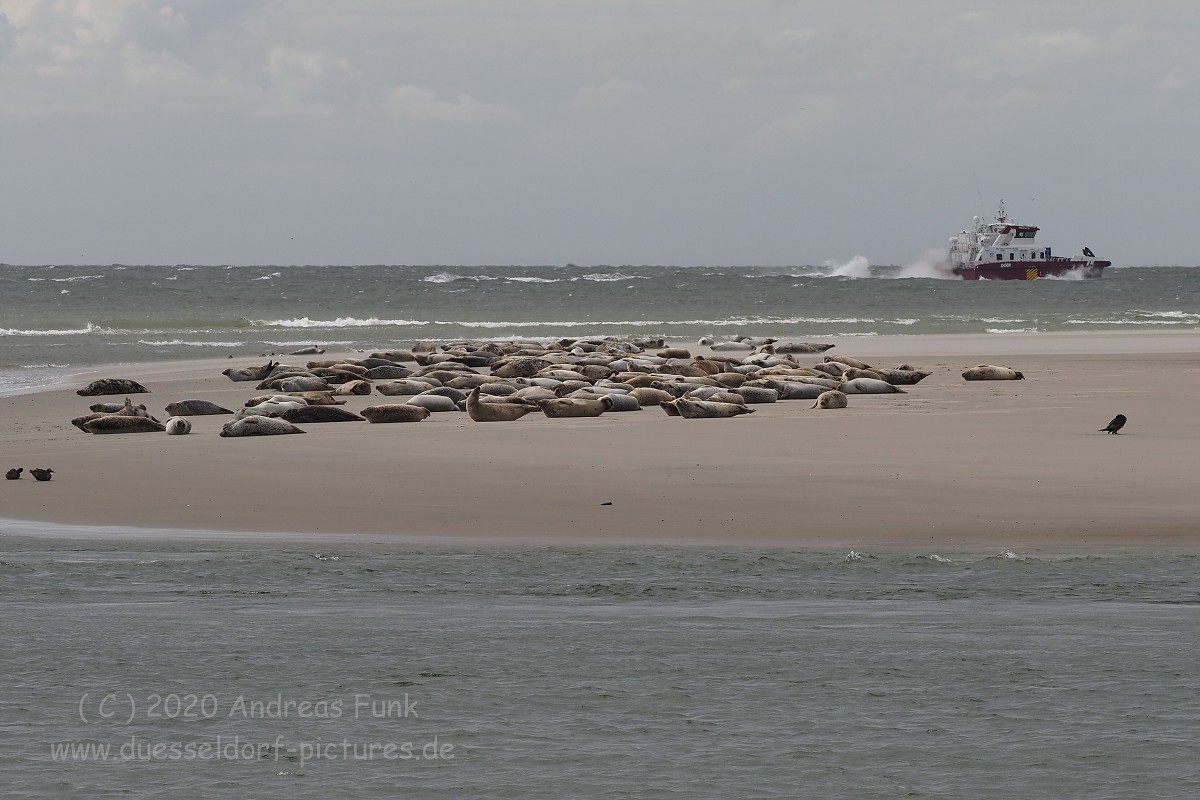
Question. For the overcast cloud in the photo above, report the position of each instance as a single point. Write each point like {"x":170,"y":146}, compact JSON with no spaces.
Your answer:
{"x":593,"y":132}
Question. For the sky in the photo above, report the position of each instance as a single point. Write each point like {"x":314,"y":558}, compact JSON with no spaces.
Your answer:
{"x":680,"y":132}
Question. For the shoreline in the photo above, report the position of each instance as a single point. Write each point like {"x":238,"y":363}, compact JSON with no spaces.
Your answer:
{"x":950,"y":466}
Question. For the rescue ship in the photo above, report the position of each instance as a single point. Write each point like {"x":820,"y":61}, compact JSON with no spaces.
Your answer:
{"x":1005,"y":251}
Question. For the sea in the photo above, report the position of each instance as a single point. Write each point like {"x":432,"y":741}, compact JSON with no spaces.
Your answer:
{"x":145,"y":663}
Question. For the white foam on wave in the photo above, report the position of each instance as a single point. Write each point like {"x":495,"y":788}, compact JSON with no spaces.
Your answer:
{"x":185,"y":343}
{"x":607,"y":277}
{"x":1011,"y":330}
{"x":60,"y":332}
{"x":267,"y":277}
{"x":77,"y":278}
{"x":340,"y":322}
{"x":450,"y":277}
{"x":857,"y":267}
{"x":530,"y":279}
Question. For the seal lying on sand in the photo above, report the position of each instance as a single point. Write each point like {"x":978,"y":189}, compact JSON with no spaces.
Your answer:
{"x":250,"y":373}
{"x":990,"y":372}
{"x":112,"y":386}
{"x":320,"y":414}
{"x":831,"y":399}
{"x":495,"y":412}
{"x":709,"y":409}
{"x":258,"y":426}
{"x":560,"y":407}
{"x":195,"y":408}
{"x":394,"y":412}
{"x":178,"y":426}
{"x":119,"y":423}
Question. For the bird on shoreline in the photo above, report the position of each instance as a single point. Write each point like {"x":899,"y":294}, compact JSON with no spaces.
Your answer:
{"x":14,"y":474}
{"x":1115,"y":426}
{"x":41,"y":474}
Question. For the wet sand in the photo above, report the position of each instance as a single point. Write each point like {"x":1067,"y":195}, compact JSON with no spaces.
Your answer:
{"x":948,"y":465}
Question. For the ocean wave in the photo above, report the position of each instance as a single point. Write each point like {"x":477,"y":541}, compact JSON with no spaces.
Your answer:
{"x":184,"y":343}
{"x":450,"y":277}
{"x":530,"y":279}
{"x":1184,"y":315}
{"x":77,"y":278}
{"x":267,"y":277}
{"x":340,"y":322}
{"x":1010,"y":330}
{"x":1132,"y":321}
{"x":60,"y":331}
{"x":606,"y":277}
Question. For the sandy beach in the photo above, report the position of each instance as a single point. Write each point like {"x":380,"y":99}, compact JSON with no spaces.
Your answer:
{"x":948,"y":465}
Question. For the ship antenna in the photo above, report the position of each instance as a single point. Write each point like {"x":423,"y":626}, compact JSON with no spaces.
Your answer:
{"x":1000,"y":215}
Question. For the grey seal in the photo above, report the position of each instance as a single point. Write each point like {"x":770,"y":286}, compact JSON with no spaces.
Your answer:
{"x":560,"y":407}
{"x":250,"y":373}
{"x":869,"y":386}
{"x":178,"y":426}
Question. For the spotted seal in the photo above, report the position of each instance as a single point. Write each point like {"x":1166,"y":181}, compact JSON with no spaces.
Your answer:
{"x":831,"y":399}
{"x":709,"y":409}
{"x":990,"y":372}
{"x":105,"y":386}
{"x":320,"y":414}
{"x":195,"y":408}
{"x":560,"y":407}
{"x":495,"y":412}
{"x":119,"y":423}
{"x":258,"y":426}
{"x":395,"y":412}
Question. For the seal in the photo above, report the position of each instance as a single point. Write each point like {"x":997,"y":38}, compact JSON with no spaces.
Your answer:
{"x":258,"y":426}
{"x":302,"y":383}
{"x":831,"y":399}
{"x":320,"y":414}
{"x":990,"y":372}
{"x":112,"y":386}
{"x":250,"y":373}
{"x":352,"y":387}
{"x":903,"y":377}
{"x":709,"y":409}
{"x":195,"y":408}
{"x":402,"y":387}
{"x":802,"y":347}
{"x":434,"y":402}
{"x":308,"y":351}
{"x":119,"y":423}
{"x":561,"y":407}
{"x":395,"y":412}
{"x":41,"y":474}
{"x":14,"y":474}
{"x":869,"y":386}
{"x":500,"y":411}
{"x":178,"y":426}
{"x":270,"y":408}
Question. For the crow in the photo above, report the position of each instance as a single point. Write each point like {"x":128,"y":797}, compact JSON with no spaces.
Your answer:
{"x":1115,"y":426}
{"x":41,"y":474}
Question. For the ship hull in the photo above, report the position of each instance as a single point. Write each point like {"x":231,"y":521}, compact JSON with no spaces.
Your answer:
{"x":1031,"y":270}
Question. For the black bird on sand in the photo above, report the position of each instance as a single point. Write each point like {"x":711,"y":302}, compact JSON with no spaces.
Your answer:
{"x":14,"y":474}
{"x":41,"y":474}
{"x":1115,"y":426}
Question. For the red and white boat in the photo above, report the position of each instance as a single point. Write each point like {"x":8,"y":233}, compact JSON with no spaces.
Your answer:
{"x":1005,"y":251}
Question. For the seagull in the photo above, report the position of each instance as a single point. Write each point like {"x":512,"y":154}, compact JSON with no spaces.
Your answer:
{"x":41,"y":474}
{"x":1115,"y":426}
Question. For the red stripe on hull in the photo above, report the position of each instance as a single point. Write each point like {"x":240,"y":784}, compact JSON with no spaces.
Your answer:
{"x":1030,"y":270}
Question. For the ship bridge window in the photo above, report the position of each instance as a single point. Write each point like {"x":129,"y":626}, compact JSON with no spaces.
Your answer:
{"x":1025,"y":234}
